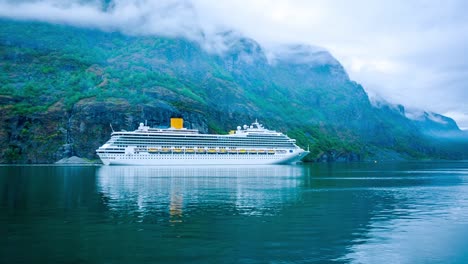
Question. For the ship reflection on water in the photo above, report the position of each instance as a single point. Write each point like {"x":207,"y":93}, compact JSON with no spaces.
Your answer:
{"x":358,"y":213}
{"x":183,"y":191}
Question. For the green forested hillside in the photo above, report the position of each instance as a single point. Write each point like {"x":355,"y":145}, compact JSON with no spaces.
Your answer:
{"x":61,"y":87}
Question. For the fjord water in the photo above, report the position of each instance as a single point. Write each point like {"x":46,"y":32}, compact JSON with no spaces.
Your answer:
{"x":344,"y":213}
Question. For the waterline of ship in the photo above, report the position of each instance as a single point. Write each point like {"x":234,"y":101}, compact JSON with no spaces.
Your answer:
{"x":248,"y":145}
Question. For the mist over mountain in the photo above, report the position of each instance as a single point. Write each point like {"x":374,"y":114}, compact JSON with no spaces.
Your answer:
{"x":61,"y":86}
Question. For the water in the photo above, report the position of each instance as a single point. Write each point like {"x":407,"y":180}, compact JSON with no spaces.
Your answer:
{"x":343,"y":213}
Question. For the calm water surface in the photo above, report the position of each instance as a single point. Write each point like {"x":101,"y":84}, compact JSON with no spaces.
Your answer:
{"x":344,"y":213}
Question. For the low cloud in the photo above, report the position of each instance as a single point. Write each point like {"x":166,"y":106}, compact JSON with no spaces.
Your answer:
{"x":410,"y":53}
{"x":171,"y":18}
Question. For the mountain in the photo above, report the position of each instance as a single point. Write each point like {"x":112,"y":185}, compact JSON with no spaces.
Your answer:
{"x":61,"y":87}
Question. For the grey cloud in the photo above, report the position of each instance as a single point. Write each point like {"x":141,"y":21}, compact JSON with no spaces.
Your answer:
{"x":172,"y":18}
{"x":408,"y":52}
{"x":138,"y":17}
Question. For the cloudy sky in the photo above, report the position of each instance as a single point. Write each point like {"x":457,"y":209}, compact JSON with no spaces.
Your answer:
{"x":413,"y":53}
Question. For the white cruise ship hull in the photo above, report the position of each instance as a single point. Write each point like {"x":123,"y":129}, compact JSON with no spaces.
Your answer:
{"x":252,"y":145}
{"x":201,"y":159}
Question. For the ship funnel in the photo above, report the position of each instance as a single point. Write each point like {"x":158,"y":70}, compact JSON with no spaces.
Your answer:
{"x":177,"y":123}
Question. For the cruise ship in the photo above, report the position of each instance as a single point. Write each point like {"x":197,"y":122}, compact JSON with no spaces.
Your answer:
{"x":176,"y":145}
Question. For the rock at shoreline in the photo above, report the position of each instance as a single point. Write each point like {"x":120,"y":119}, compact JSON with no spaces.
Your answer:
{"x":74,"y":160}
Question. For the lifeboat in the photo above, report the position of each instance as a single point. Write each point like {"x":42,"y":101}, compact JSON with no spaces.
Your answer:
{"x":177,"y":150}
{"x":189,"y":150}
{"x":201,"y":150}
{"x":165,"y":150}
{"x":153,"y":150}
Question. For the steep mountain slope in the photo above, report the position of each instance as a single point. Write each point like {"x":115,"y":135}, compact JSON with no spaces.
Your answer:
{"x":61,"y":87}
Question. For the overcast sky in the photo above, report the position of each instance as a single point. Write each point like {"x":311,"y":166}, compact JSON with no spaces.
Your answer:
{"x":413,"y":53}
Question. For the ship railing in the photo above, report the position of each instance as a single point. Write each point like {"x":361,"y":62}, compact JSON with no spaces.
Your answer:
{"x":200,"y":150}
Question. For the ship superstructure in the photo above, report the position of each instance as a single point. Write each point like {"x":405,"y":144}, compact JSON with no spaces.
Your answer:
{"x":177,"y":145}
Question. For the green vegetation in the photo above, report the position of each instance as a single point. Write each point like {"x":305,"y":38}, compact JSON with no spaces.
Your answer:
{"x":71,"y":83}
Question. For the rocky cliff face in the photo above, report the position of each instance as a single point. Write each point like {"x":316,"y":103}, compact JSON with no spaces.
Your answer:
{"x":61,"y":87}
{"x":59,"y":133}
